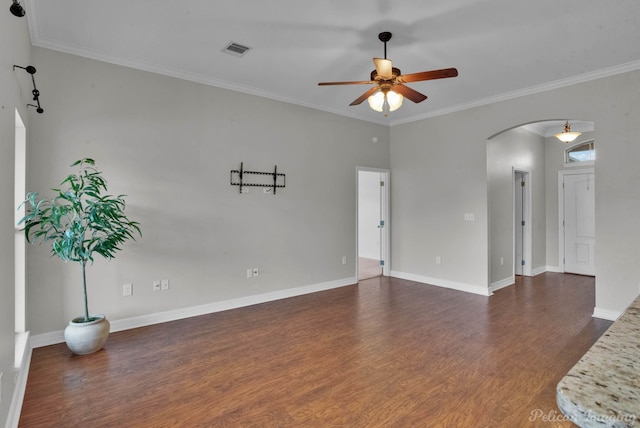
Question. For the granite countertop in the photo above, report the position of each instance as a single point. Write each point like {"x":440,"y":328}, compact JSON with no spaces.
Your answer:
{"x":603,"y":388}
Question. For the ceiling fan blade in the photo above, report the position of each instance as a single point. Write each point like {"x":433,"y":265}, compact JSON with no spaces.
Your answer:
{"x":409,"y":93}
{"x":364,"y":96}
{"x":383,"y":68}
{"x":427,"y":75}
{"x":362,"y":82}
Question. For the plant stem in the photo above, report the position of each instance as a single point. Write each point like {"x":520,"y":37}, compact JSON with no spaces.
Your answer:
{"x":84,"y":289}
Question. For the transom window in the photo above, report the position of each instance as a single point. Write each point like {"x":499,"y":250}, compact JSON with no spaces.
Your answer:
{"x":581,"y":152}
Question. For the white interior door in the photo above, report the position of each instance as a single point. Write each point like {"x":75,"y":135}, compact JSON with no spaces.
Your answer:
{"x":579,"y":223}
{"x":521,"y":223}
{"x":518,"y":220}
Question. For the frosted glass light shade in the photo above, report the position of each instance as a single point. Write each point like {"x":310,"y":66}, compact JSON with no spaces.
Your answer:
{"x":567,"y":136}
{"x":377,"y":101}
{"x":395,"y":100}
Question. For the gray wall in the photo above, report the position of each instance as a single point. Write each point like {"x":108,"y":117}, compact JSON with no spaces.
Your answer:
{"x":170,"y":145}
{"x":439,"y":172}
{"x":15,"y":92}
{"x":523,"y":150}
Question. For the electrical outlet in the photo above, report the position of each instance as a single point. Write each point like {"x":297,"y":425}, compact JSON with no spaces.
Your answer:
{"x":164,"y":284}
{"x":255,"y":272}
{"x":156,"y":285}
{"x":438,"y":260}
{"x":344,"y":260}
{"x":501,"y":261}
{"x":127,"y":289}
{"x":249,"y":273}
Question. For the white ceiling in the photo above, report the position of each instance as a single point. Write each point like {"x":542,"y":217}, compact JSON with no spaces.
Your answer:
{"x":501,"y":48}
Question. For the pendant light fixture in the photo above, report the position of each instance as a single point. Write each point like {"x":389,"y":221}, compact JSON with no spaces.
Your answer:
{"x":567,"y":136}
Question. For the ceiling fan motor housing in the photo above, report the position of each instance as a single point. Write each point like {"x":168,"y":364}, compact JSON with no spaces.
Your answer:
{"x":395,"y":72}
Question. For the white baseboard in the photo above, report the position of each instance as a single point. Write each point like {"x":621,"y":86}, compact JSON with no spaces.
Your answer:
{"x":46,"y":339}
{"x":538,"y":270}
{"x":468,"y":288}
{"x":606,"y":314}
{"x":555,"y":269}
{"x":54,"y":337}
{"x":502,"y":284}
{"x":21,"y":373}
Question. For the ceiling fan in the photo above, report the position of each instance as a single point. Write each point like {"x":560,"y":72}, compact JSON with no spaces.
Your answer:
{"x":389,"y":91}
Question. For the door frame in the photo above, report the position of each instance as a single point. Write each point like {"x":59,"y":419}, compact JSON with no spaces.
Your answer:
{"x":527,"y":252}
{"x":561,"y":175}
{"x":385,"y":199}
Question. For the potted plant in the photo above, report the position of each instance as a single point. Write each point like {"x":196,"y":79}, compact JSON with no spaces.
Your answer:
{"x":79,"y":222}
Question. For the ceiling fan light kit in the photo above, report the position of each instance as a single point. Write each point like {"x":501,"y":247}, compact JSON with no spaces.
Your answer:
{"x":390,"y":90}
{"x":385,"y":101}
{"x":567,"y":136}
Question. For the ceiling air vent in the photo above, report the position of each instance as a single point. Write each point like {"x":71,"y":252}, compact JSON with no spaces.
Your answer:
{"x":236,"y":49}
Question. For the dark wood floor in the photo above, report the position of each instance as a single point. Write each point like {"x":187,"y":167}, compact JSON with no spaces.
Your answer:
{"x":386,"y":352}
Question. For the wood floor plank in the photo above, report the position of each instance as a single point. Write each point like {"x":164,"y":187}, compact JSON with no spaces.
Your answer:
{"x":386,"y":352}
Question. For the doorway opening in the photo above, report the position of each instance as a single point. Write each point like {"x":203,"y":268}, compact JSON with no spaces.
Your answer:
{"x":372,"y":223}
{"x":19,"y":239}
{"x":20,"y":177}
{"x":521,"y":222}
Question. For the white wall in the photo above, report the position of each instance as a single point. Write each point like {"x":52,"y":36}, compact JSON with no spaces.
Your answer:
{"x":170,"y":145}
{"x":15,"y":92}
{"x":369,"y":214}
{"x":523,"y":150}
{"x":439,"y":169}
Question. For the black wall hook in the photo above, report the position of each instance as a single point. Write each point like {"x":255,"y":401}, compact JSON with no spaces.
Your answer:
{"x":36,"y":93}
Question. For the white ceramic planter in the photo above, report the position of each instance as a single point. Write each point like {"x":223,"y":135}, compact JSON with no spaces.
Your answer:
{"x":87,"y":337}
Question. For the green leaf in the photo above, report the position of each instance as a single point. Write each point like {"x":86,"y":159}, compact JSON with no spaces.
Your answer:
{"x":79,"y":221}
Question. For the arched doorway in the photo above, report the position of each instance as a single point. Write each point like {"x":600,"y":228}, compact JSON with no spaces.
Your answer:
{"x":533,"y":153}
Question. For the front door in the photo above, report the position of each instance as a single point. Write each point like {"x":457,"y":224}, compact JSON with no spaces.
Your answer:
{"x":579,"y":223}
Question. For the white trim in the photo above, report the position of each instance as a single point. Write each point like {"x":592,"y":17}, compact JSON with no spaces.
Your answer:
{"x":578,"y":164}
{"x":502,"y":284}
{"x":532,"y":90}
{"x":54,"y":337}
{"x":386,"y":208}
{"x":512,"y":279}
{"x":556,"y":269}
{"x":538,"y":270}
{"x":606,"y":314}
{"x":561,"y":174}
{"x":468,"y":288}
{"x":21,"y":373}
